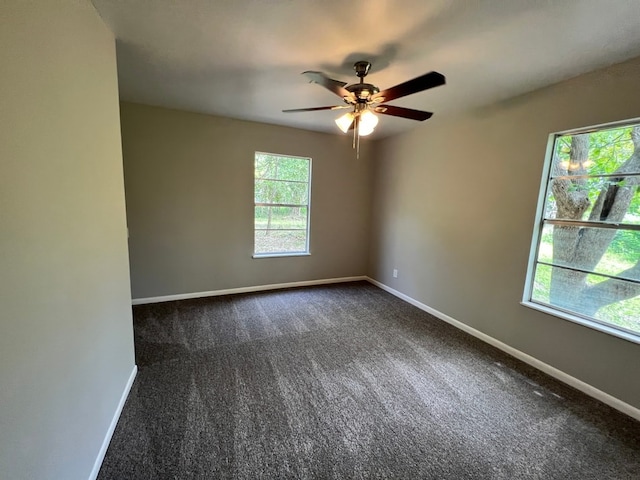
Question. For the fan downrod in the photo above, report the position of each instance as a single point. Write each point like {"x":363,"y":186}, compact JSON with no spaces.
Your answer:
{"x":362,"y":92}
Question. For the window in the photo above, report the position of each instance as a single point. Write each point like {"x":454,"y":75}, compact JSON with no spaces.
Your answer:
{"x":585,"y":259}
{"x":281,"y":214}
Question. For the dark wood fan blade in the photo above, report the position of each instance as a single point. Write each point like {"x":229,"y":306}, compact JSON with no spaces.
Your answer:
{"x":419,"y":84}
{"x":403,"y":112}
{"x":330,"y":84}
{"x":313,"y":109}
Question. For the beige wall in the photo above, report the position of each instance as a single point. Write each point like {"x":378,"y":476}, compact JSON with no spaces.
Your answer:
{"x":454,"y":207}
{"x":66,"y":342}
{"x":189,"y":184}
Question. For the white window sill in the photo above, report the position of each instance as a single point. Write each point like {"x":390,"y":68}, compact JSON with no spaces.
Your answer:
{"x":272,"y":255}
{"x":601,"y":327}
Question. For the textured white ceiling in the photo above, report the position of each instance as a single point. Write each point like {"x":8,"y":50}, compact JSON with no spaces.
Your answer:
{"x":243,"y":58}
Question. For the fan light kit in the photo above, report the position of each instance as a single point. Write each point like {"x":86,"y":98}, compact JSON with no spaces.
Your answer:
{"x":366,"y":100}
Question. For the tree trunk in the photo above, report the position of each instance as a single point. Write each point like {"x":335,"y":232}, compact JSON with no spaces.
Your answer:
{"x":571,"y":202}
{"x":272,"y":192}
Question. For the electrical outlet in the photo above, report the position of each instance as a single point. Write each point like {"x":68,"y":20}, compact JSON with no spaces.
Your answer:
{"x":395,"y":273}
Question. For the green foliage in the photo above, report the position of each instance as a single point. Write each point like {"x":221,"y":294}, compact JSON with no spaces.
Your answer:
{"x":277,"y":167}
{"x":281,"y":179}
{"x":608,"y":149}
{"x":626,"y":245}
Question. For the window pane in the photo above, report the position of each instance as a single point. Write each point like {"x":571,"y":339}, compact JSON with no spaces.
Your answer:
{"x":608,"y":196}
{"x":281,"y":168}
{"x":604,"y":299}
{"x":595,"y":153}
{"x":270,"y":191}
{"x":542,"y":284}
{"x":274,"y":241}
{"x":613,"y":252}
{"x":264,"y":166}
{"x":281,"y":218}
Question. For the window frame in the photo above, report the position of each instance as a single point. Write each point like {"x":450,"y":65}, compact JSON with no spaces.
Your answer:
{"x":543,"y":192}
{"x":300,"y":253}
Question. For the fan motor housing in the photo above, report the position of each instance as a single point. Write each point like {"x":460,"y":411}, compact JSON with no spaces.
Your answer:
{"x":363,"y":91}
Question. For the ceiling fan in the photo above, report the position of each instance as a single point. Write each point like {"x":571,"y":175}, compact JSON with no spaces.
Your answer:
{"x":365,"y":99}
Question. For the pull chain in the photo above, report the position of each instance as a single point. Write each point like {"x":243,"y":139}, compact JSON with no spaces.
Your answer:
{"x":356,"y":136}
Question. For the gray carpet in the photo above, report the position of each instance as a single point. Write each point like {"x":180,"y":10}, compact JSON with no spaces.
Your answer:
{"x":347,"y":382}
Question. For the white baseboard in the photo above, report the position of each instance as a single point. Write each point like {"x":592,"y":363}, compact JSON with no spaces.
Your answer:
{"x":534,"y":362}
{"x":112,"y":426}
{"x":257,"y":288}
